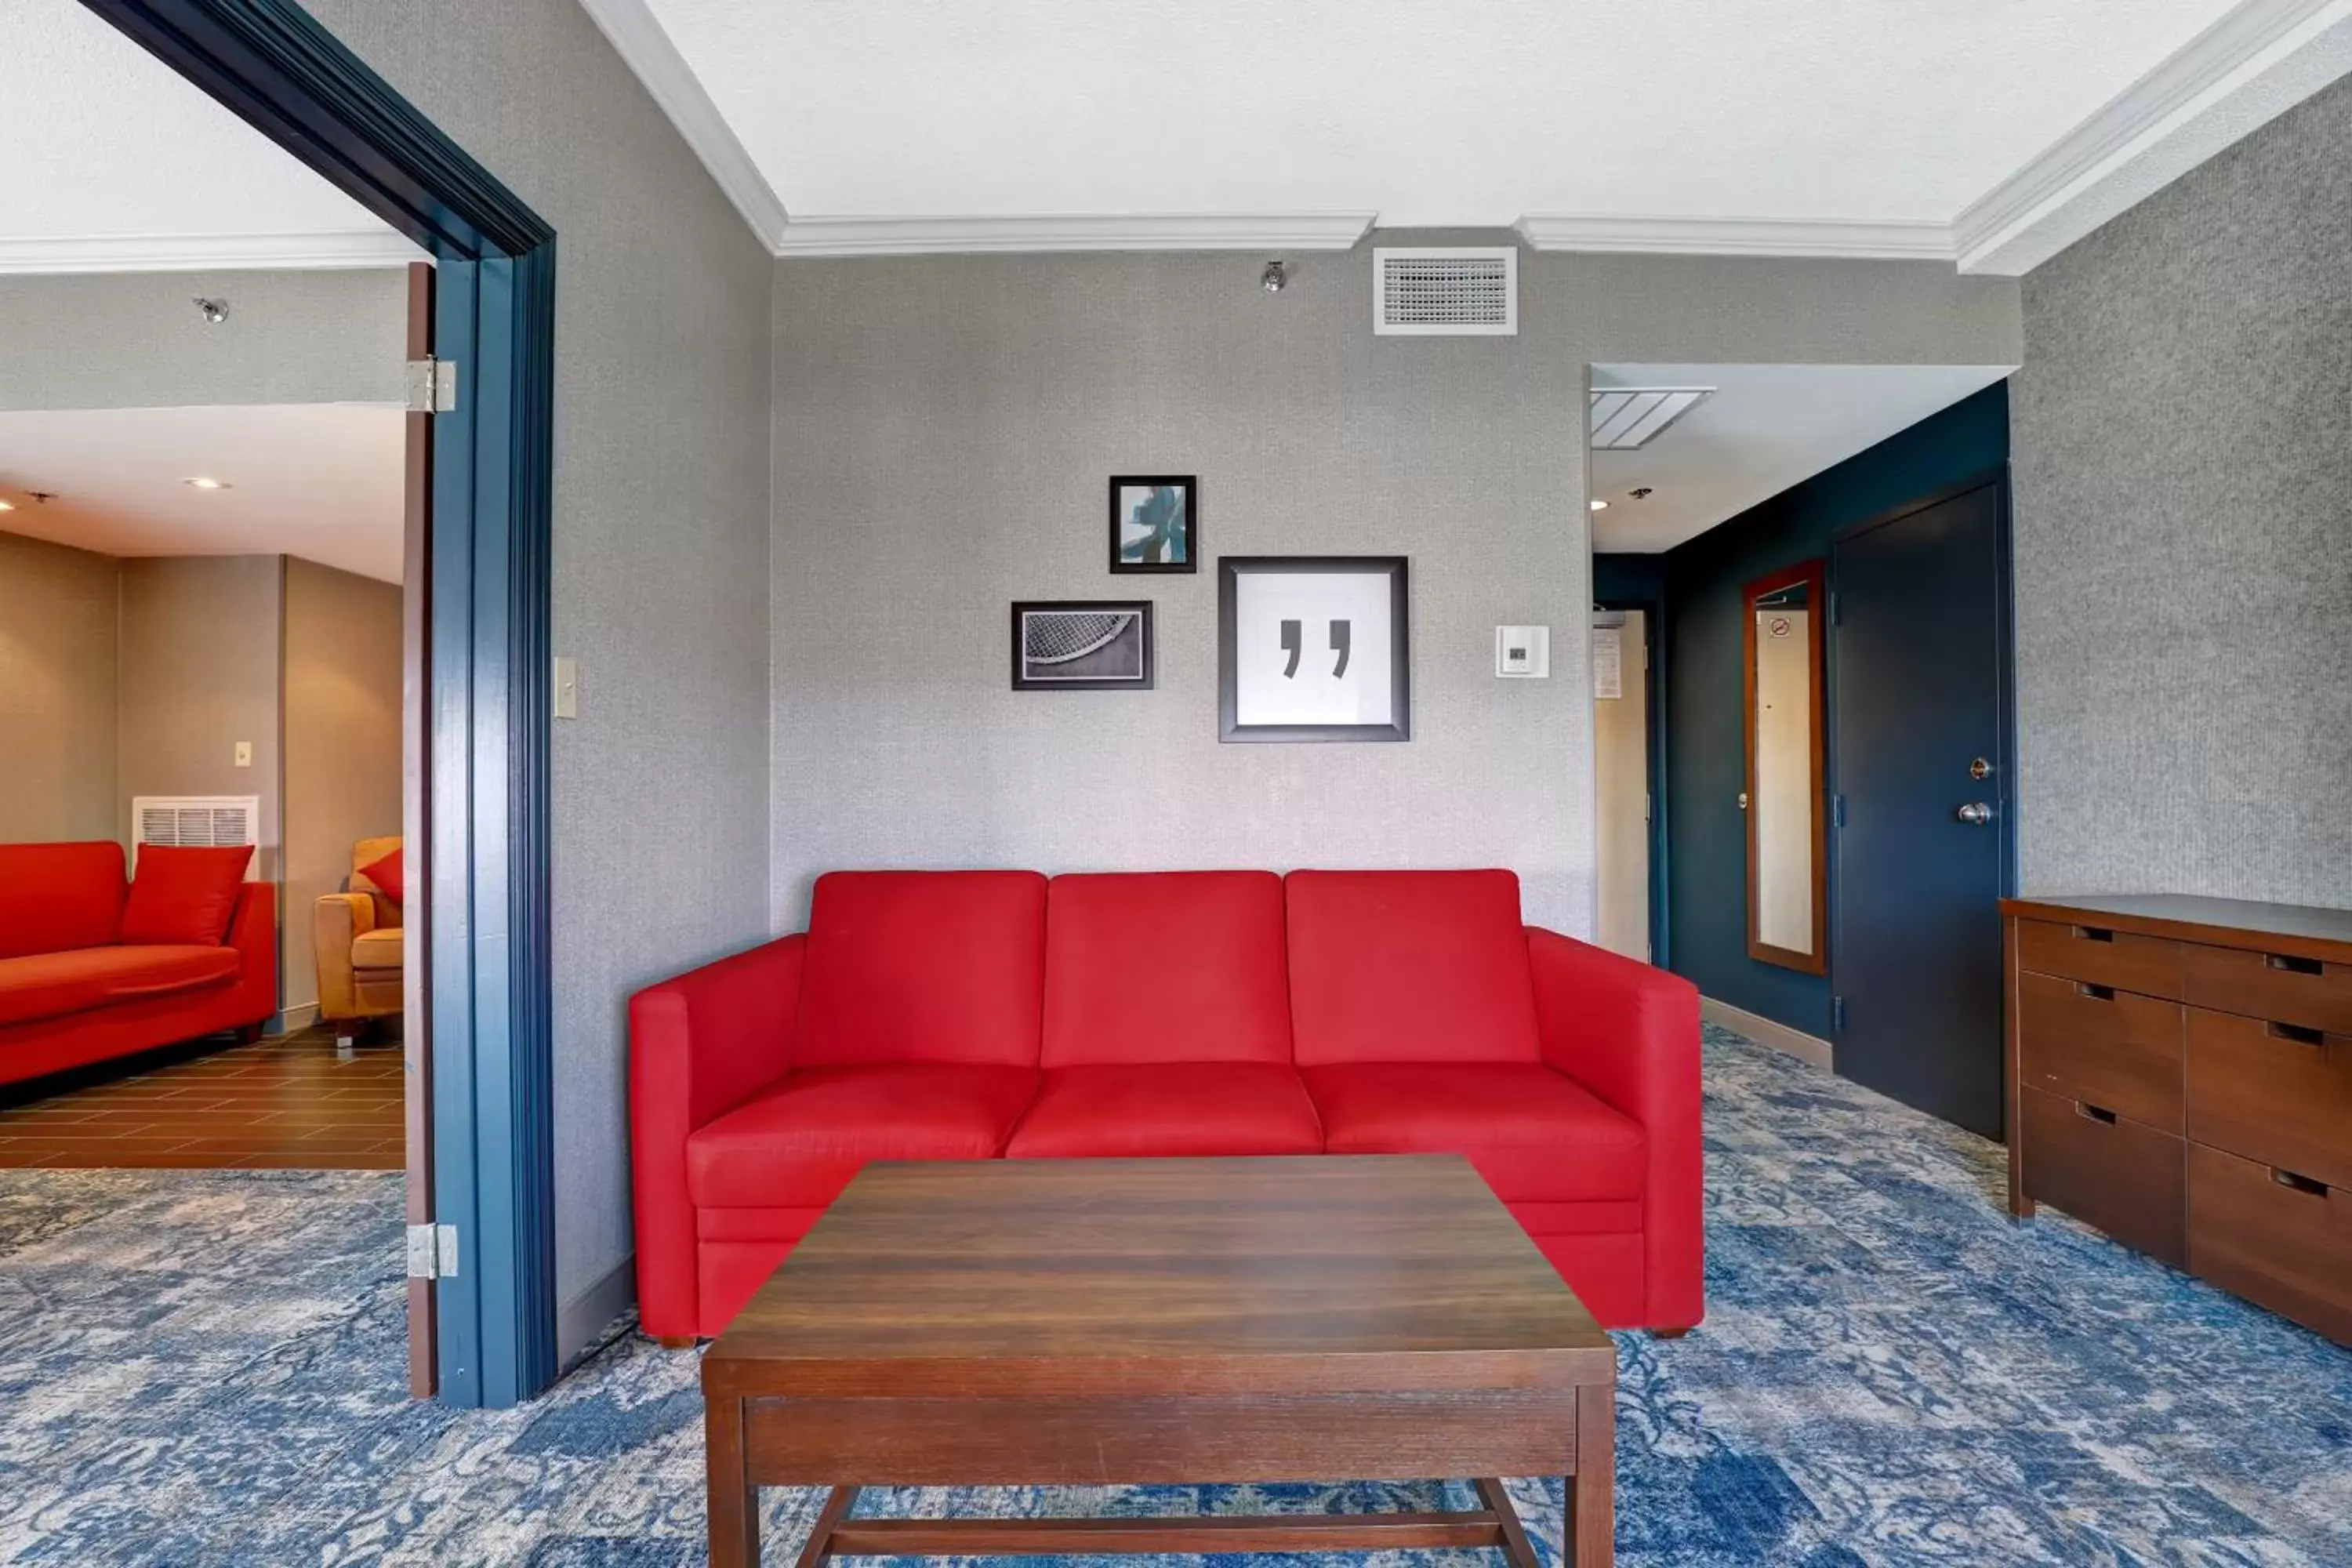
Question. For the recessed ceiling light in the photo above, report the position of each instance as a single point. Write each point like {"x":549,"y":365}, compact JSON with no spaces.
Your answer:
{"x":8,"y":506}
{"x":207,"y":484}
{"x":1600,"y":505}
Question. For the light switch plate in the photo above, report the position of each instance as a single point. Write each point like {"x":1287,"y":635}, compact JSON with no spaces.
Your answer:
{"x":567,"y":688}
{"x":1523,"y":653}
{"x":243,"y":756}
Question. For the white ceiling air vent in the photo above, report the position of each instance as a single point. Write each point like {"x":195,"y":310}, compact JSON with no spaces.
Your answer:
{"x":1456,"y":291}
{"x":202,"y":821}
{"x":1625,"y":418}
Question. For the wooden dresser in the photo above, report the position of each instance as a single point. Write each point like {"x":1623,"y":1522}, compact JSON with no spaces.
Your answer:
{"x":2180,"y":1077}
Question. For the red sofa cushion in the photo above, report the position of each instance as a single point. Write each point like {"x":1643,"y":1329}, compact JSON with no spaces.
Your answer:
{"x":1532,"y":1133}
{"x":1170,"y":1108}
{"x":54,"y":896}
{"x":796,"y":1145}
{"x":1408,"y":966}
{"x":923,"y":966}
{"x":52,"y":985}
{"x":1171,"y":966}
{"x":184,"y":895}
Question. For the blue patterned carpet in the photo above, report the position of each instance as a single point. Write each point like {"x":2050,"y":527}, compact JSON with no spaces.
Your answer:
{"x":204,"y":1368}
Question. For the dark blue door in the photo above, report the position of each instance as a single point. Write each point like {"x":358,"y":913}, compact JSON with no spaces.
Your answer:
{"x":1921,"y":773}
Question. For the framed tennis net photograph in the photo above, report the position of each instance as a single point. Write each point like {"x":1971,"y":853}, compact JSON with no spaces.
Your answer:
{"x":1082,"y":645}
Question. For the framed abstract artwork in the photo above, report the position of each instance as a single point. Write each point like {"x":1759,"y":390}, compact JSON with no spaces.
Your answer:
{"x":1082,"y":645}
{"x":1155,"y":523}
{"x":1313,"y":647}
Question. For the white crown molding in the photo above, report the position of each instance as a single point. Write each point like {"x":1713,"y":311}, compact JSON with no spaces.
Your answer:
{"x":1883,"y":241}
{"x":645,"y":46}
{"x":945,"y":236}
{"x":207,"y":253}
{"x":2259,"y":60}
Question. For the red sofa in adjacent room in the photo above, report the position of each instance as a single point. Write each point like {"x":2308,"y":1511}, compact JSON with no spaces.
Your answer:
{"x":976,"y":1013}
{"x":72,"y":991}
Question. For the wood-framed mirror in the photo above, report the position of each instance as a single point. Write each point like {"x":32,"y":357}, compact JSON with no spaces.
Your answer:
{"x":1786,"y":798}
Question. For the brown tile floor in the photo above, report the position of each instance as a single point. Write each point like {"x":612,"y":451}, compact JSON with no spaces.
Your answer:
{"x":286,"y":1102}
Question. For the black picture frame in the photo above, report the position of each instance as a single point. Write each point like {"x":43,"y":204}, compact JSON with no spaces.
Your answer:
{"x":1024,"y":678}
{"x":1190,"y":486}
{"x":1230,"y":571}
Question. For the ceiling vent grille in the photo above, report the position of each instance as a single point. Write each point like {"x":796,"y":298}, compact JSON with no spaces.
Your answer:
{"x":1458,"y":291}
{"x":1626,"y":417}
{"x":197,"y":821}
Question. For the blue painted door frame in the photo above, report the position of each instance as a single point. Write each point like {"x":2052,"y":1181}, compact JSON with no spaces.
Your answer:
{"x":488,"y":655}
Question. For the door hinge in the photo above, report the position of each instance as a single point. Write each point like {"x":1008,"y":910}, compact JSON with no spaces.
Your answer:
{"x":1837,"y":811}
{"x":432,"y":1252}
{"x":1837,"y":1014}
{"x":432,"y":386}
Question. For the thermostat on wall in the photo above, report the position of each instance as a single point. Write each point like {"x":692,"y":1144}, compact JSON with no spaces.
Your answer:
{"x":1523,"y":652}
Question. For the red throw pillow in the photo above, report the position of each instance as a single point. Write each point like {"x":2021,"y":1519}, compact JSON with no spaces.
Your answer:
{"x":184,"y":898}
{"x":385,"y":874}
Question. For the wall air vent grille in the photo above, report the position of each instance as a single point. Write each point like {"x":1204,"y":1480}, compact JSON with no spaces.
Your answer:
{"x":1626,"y":417}
{"x":200,"y":821}
{"x":1446,"y":292}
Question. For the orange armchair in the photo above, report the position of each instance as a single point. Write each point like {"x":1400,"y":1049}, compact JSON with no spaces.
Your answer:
{"x":358,"y":940}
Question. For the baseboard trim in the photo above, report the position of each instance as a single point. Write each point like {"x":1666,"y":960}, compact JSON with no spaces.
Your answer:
{"x":579,"y":1320}
{"x":1790,"y":1042}
{"x":295,"y":1019}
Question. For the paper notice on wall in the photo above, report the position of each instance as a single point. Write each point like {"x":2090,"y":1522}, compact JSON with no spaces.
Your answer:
{"x":1608,"y":662}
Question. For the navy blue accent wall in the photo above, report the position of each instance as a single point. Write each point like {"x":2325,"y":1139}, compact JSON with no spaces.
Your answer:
{"x":1706,"y":881}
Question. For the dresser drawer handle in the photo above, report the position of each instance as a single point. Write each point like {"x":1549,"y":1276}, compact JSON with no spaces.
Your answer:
{"x":2294,"y":1183}
{"x":2298,"y":1034}
{"x":2287,"y":963}
{"x":2084,"y":989}
{"x":2093,"y":1113}
{"x":2093,"y":933}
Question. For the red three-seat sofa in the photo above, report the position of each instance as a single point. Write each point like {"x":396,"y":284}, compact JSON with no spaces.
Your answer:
{"x":971,"y":1015}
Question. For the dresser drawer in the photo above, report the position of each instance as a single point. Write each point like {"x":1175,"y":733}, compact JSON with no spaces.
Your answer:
{"x":2275,"y":1093}
{"x":2111,"y":1173}
{"x":2149,"y":965}
{"x":2109,"y":1048}
{"x":2284,"y":1246}
{"x":2276,"y":987}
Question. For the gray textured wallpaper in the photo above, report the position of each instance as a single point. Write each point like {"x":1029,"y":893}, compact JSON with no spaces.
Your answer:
{"x":136,"y":340}
{"x":2182,"y":436}
{"x":58,"y":614}
{"x":661,"y":541}
{"x":944,"y":429}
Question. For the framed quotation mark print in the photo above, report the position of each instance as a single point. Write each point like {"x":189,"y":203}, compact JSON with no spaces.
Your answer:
{"x":1313,"y":647}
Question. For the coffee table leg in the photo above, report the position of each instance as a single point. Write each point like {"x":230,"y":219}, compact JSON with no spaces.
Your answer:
{"x":1517,"y":1549}
{"x":1591,"y":1523}
{"x":734,"y":1501}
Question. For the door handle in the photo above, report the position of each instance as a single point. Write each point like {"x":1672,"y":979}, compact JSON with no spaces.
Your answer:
{"x":1976,"y":814}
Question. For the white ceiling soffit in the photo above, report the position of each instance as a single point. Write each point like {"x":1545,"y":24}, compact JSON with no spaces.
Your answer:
{"x":324,"y":481}
{"x":1628,"y":418}
{"x":114,"y":162}
{"x":896,"y":127}
{"x":1763,"y":429}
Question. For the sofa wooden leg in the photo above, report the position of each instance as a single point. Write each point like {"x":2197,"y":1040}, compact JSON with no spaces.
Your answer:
{"x":675,"y":1342}
{"x":1668,"y":1334}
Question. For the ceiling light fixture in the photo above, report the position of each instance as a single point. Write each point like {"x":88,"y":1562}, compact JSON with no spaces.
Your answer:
{"x":8,"y":506}
{"x":1600,"y":505}
{"x":201,"y":483}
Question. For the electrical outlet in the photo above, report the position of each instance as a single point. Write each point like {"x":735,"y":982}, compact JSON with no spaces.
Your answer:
{"x":244,"y":758}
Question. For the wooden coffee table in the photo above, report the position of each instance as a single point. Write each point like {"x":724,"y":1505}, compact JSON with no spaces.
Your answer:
{"x":1040,"y":1322}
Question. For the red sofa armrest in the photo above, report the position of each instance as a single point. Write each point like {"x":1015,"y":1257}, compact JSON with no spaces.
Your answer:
{"x":699,"y":1046}
{"x":253,"y":932}
{"x":1629,"y":1034}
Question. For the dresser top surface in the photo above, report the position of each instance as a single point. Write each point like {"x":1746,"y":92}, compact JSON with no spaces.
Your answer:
{"x":2196,"y":919}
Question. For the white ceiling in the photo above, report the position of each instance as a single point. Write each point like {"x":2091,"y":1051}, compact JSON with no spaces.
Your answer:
{"x":324,"y":481}
{"x":1873,"y":127}
{"x":110,"y":160}
{"x":1767,"y":427}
